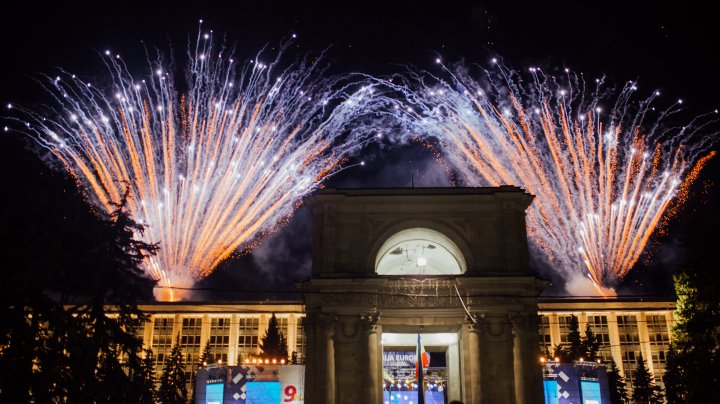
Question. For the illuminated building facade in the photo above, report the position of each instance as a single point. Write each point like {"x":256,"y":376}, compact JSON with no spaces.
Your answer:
{"x":234,"y":329}
{"x":624,"y":327}
{"x":449,"y":266}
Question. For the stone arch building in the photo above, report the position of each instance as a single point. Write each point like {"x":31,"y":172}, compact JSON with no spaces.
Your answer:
{"x":450,"y":264}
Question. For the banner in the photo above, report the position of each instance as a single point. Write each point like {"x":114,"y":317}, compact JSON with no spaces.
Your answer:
{"x":399,"y":359}
{"x":250,"y":384}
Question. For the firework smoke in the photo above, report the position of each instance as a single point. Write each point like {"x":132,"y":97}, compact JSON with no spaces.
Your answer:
{"x":210,"y":168}
{"x":603,"y":166}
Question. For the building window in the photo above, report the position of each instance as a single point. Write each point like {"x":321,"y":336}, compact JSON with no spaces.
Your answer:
{"x":139,"y":332}
{"x":219,"y":341}
{"x":629,"y":345}
{"x":300,"y":340}
{"x":247,"y":337}
{"x":162,"y":340}
{"x":564,"y":322}
{"x":545,"y":336}
{"x":191,"y":345}
{"x":283,"y":325}
{"x":659,"y":345}
{"x":599,"y":326}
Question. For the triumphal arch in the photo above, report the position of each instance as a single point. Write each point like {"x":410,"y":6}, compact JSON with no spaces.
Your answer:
{"x":448,"y":266}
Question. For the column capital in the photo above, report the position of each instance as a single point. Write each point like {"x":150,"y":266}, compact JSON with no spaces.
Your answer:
{"x":496,"y":327}
{"x":321,"y":320}
{"x":522,"y":321}
{"x":370,"y":321}
{"x":474,"y":321}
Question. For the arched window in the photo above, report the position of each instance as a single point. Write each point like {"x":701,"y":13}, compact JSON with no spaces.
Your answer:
{"x":419,"y":251}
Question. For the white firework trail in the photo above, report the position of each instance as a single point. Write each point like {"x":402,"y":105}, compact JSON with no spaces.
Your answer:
{"x":209,"y":168}
{"x":602,"y":165}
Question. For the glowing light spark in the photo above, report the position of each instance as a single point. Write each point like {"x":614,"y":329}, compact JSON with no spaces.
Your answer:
{"x":601,"y":185}
{"x":197,"y":175}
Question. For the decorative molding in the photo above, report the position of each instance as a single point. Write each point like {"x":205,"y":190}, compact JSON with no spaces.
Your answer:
{"x":475,"y":321}
{"x":348,"y":327}
{"x":370,"y":321}
{"x":497,"y":328}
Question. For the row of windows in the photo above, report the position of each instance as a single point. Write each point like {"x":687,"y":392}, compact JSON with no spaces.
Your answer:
{"x":629,"y":345}
{"x":628,"y":335}
{"x":190,"y":334}
{"x":162,"y":339}
{"x":219,"y":338}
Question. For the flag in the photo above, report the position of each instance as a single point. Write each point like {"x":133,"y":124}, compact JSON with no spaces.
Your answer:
{"x":422,"y":360}
{"x":422,"y":357}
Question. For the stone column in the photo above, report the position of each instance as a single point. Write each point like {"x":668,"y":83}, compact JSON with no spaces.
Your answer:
{"x":320,"y":359}
{"x":233,"y":356}
{"x":497,"y":367}
{"x":645,"y":347}
{"x":554,"y":330}
{"x":292,"y":333}
{"x":474,"y":341}
{"x":528,"y":373}
{"x":454,"y":383}
{"x":328,"y":343}
{"x":615,"y":349}
{"x":350,"y":347}
{"x":374,"y":380}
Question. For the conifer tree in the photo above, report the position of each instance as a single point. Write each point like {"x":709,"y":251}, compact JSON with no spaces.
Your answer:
{"x":81,"y":289}
{"x":693,"y":368}
{"x":206,"y":357}
{"x":560,"y":353}
{"x":144,"y":379}
{"x":575,"y":348}
{"x":274,"y":344}
{"x":283,"y":347}
{"x":172,"y":382}
{"x":616,"y":384}
{"x":644,"y":389}
{"x":674,"y":379}
{"x":590,"y":343}
{"x":110,"y":369}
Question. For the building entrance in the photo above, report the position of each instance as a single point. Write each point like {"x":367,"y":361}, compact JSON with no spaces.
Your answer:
{"x":400,"y":378}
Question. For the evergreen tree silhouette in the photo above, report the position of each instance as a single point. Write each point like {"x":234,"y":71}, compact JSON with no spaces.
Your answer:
{"x":616,"y":384}
{"x":206,"y":358}
{"x":172,"y":382}
{"x":78,"y":272}
{"x":590,"y":344}
{"x":644,"y":389}
{"x":145,"y":379}
{"x":274,"y":344}
{"x":674,"y":379}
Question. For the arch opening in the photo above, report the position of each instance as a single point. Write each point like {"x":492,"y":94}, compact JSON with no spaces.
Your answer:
{"x":419,"y":251}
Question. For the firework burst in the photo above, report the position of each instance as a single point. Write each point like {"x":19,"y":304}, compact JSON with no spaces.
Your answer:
{"x":602,"y":165}
{"x":209,"y":168}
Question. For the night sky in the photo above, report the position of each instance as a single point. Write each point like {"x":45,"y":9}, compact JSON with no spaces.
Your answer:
{"x":671,"y":47}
